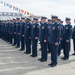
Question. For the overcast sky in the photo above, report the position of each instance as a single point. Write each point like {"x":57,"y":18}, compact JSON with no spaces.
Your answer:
{"x":61,"y":8}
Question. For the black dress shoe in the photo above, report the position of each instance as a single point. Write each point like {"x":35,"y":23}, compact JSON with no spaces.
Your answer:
{"x":50,"y":64}
{"x":73,"y":54}
{"x":16,"y":47}
{"x":40,"y":49}
{"x":40,"y":59}
{"x":27,"y":52}
{"x":65,"y":58}
{"x":13,"y":45}
{"x":21,"y":50}
{"x":48,"y":51}
{"x":62,"y":57}
{"x":33,"y":56}
{"x":10,"y":43}
{"x":43,"y":60}
{"x":53,"y":65}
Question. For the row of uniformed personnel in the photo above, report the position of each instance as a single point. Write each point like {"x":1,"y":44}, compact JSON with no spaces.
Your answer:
{"x":52,"y":35}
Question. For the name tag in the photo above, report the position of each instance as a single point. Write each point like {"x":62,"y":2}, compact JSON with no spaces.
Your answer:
{"x":33,"y":26}
{"x":53,"y":28}
{"x":66,"y":27}
{"x":27,"y":26}
{"x":43,"y":27}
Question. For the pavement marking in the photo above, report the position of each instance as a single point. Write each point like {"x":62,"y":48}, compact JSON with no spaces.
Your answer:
{"x":4,"y":45}
{"x":14,"y":63}
{"x":17,"y":68}
{"x":9,"y":57}
{"x":7,"y":50}
{"x":1,"y":53}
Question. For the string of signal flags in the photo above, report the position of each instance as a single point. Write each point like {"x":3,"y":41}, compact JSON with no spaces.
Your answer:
{"x":16,"y":9}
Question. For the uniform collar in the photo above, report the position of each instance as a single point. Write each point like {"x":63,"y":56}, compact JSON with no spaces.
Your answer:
{"x":43,"y":23}
{"x":28,"y":22}
{"x":54,"y":22}
{"x":68,"y":24}
{"x":35,"y":23}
